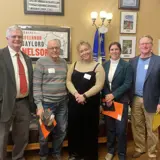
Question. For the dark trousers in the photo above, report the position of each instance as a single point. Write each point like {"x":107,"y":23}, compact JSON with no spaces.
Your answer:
{"x":117,"y":129}
{"x":83,"y":131}
{"x":20,"y":130}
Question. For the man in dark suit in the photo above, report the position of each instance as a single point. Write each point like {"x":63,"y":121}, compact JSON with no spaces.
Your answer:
{"x":146,"y":97}
{"x":15,"y":94}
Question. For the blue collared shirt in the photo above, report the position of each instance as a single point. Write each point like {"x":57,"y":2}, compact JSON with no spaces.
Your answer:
{"x":142,"y":68}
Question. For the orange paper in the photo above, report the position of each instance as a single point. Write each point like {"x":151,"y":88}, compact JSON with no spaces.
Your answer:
{"x":44,"y":130}
{"x":117,"y":114}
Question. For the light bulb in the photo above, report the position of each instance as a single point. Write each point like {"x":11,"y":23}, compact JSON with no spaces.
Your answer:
{"x":103,"y":14}
{"x":94,"y":15}
{"x":109,"y":16}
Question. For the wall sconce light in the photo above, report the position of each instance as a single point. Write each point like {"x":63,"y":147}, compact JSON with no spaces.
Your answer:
{"x":104,"y":16}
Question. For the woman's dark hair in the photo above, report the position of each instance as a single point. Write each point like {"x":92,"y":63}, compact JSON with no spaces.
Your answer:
{"x":115,"y":43}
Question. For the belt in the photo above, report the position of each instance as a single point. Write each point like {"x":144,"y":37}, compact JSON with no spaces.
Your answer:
{"x":138,"y":96}
{"x":20,"y":99}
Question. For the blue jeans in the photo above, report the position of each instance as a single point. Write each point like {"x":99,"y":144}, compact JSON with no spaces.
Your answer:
{"x":60,"y":110}
{"x":117,"y":129}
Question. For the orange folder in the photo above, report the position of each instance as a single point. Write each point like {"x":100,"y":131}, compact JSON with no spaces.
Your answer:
{"x":117,"y":114}
{"x":44,"y":130}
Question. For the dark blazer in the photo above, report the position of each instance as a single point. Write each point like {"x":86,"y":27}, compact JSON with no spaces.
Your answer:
{"x":151,"y":89}
{"x":121,"y":82}
{"x":8,"y":84}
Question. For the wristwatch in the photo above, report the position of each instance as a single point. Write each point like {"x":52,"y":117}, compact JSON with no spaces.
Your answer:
{"x":84,"y":96}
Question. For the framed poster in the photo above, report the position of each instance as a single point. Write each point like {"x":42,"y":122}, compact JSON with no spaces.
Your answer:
{"x":128,"y":22}
{"x":129,"y":4}
{"x":45,"y":7}
{"x":128,"y":44}
{"x":36,"y":37}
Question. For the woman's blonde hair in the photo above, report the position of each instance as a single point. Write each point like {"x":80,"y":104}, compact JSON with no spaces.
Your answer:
{"x":83,"y":43}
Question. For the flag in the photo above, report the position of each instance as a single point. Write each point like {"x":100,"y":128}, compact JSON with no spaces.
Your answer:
{"x":96,"y":46}
{"x":102,"y":42}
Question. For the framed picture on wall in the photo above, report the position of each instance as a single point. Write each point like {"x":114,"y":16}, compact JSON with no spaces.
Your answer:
{"x":45,"y":7}
{"x":128,"y":22}
{"x":36,"y":37}
{"x":159,"y":47}
{"x":129,"y":4}
{"x":128,"y":44}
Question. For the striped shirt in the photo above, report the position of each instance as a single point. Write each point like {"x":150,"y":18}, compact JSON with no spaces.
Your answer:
{"x":49,"y":81}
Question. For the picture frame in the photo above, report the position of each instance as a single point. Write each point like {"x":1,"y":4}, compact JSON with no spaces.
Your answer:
{"x":129,"y":4}
{"x":128,"y":44}
{"x":36,"y":37}
{"x":45,"y":7}
{"x":128,"y":22}
{"x":159,"y":47}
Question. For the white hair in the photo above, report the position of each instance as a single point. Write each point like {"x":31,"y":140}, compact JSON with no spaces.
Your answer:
{"x":13,"y":28}
{"x":57,"y":41}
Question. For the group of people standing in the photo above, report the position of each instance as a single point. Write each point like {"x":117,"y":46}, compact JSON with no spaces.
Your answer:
{"x":74,"y":98}
{"x":135,"y":83}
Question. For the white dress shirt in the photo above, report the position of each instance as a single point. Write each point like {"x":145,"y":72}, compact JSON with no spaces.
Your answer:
{"x":112,"y":69}
{"x":16,"y":72}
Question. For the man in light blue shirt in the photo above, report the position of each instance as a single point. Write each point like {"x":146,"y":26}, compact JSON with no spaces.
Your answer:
{"x":146,"y":97}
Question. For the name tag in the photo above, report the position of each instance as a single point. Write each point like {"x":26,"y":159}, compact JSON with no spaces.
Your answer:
{"x":87,"y":76}
{"x":51,"y":70}
{"x":146,"y":67}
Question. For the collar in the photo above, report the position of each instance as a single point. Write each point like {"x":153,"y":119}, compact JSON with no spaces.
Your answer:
{"x":114,"y":61}
{"x":13,"y":53}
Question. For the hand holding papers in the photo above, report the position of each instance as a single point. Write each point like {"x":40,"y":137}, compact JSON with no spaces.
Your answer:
{"x":106,"y":108}
{"x":116,"y":112}
{"x":47,"y":123}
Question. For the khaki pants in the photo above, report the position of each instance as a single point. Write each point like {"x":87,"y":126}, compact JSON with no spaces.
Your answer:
{"x":140,"y":120}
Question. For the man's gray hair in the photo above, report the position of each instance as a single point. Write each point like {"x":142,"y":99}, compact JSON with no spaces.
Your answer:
{"x":13,"y":28}
{"x":57,"y":40}
{"x":147,"y":36}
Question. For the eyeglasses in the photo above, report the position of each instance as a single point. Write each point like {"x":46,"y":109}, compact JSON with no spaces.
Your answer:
{"x":142,"y":44}
{"x":14,"y":37}
{"x":56,"y":48}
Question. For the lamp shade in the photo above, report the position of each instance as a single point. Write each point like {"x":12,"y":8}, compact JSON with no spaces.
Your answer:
{"x":103,"y":14}
{"x":94,"y":15}
{"x":109,"y":16}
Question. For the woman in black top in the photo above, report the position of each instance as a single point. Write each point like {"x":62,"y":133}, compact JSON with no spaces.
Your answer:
{"x":85,"y":79}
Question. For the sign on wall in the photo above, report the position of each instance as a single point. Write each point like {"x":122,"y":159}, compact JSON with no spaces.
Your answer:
{"x":36,"y":37}
{"x":46,"y":7}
